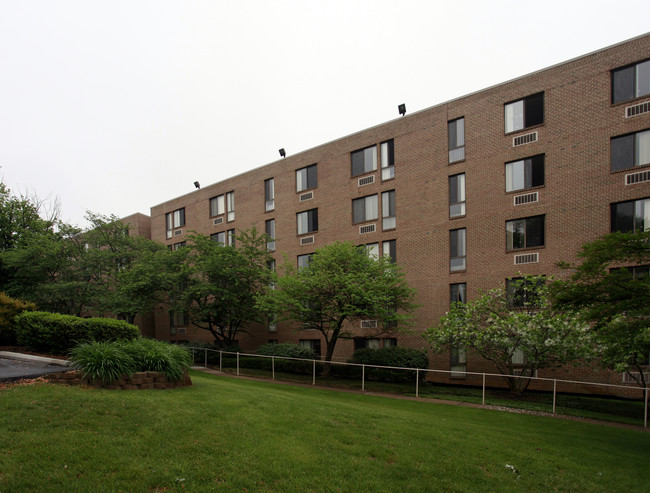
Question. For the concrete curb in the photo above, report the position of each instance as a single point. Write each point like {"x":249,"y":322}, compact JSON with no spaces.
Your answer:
{"x":31,"y":357}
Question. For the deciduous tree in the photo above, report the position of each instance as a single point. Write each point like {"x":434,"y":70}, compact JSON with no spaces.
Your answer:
{"x":503,"y":324}
{"x":342,"y":285}
{"x":611,"y":286}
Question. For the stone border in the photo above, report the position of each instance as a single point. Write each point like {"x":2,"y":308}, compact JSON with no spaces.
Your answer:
{"x":137,"y":381}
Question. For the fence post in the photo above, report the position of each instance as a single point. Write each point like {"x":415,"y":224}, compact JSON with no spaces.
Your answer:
{"x":313,"y":378}
{"x":205,"y":363}
{"x":645,"y":413}
{"x":484,"y":389}
{"x":417,"y":382}
{"x":273,"y":367}
{"x":221,"y":360}
{"x":237,"y":363}
{"x":363,"y":378}
{"x":554,"y":393}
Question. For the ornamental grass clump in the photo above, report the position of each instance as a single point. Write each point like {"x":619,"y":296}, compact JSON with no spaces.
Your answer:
{"x":151,"y":355}
{"x":105,"y":361}
{"x":108,"y":361}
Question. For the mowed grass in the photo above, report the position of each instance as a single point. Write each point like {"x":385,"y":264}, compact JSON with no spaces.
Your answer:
{"x":238,"y":435}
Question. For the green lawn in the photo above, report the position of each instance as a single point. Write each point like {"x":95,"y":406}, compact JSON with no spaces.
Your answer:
{"x":231,"y":434}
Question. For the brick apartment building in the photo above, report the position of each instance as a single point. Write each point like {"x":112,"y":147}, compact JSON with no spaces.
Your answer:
{"x":463,"y":195}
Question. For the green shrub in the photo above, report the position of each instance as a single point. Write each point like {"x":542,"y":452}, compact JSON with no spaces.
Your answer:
{"x":105,"y":361}
{"x":391,"y":356}
{"x":9,"y":309}
{"x":287,"y":350}
{"x":57,"y":333}
{"x":109,"y":361}
{"x":151,"y":355}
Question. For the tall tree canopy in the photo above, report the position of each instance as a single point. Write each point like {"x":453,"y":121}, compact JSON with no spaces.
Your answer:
{"x":341,"y":285}
{"x":516,"y":329}
{"x":218,"y":285}
{"x":611,"y":285}
{"x":67,"y":270}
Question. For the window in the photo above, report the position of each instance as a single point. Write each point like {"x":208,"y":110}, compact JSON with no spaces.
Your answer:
{"x":390,"y":341}
{"x":219,"y":237}
{"x":273,"y":324}
{"x":313,"y":344}
{"x":372,"y":250}
{"x":458,"y":362}
{"x":629,"y":151}
{"x":631,"y":82}
{"x":458,"y":293}
{"x":388,"y":209}
{"x":269,"y":194}
{"x":524,"y":113}
{"x":364,"y":160}
{"x":174,"y":220}
{"x":457,"y":195}
{"x":389,"y":249}
{"x":456,"y":135}
{"x":307,"y":221}
{"x":457,"y":249}
{"x":217,"y":205}
{"x":518,"y":357}
{"x":387,"y":150}
{"x":522,"y":292}
{"x":637,"y":272}
{"x":179,"y":245}
{"x":270,"y":232}
{"x":366,"y":342}
{"x":303,"y":260}
{"x":230,"y":237}
{"x":230,"y":206}
{"x":525,"y":233}
{"x":306,"y":178}
{"x":365,"y":209}
{"x":631,"y":217}
{"x":178,"y":320}
{"x":525,"y":173}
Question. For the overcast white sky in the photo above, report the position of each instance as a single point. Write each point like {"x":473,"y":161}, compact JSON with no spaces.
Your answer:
{"x":116,"y":106}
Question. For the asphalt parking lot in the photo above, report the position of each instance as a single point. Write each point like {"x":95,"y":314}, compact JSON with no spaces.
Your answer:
{"x":15,"y":366}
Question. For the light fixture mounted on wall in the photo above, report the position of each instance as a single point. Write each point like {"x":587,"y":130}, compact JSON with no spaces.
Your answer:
{"x":402,"y":109}
{"x":197,"y":184}
{"x":282,"y":153}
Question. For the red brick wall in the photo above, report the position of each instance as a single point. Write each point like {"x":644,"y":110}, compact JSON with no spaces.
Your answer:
{"x":579,"y":187}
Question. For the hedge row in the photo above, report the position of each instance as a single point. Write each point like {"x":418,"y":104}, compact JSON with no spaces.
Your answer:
{"x":287,"y":350}
{"x":396,"y":356}
{"x":57,"y":333}
{"x":9,"y":309}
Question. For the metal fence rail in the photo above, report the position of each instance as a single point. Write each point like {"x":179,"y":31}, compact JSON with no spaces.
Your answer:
{"x":418,"y":371}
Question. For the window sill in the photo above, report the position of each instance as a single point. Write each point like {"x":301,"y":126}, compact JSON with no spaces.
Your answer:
{"x":628,"y":170}
{"x":628,"y":101}
{"x":525,"y":190}
{"x":526,"y":249}
{"x":523,"y":130}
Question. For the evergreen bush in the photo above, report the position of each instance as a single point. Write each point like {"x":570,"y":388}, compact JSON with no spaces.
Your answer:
{"x":287,"y":350}
{"x":391,"y":356}
{"x":57,"y":333}
{"x":9,"y":309}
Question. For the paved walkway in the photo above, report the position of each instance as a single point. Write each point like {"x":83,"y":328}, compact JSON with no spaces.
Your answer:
{"x":16,"y":366}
